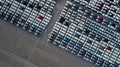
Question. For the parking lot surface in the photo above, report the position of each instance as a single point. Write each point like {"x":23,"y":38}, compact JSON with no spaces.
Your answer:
{"x":85,"y":30}
{"x":19,"y":48}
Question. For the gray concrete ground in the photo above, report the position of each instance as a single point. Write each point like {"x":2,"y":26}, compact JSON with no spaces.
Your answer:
{"x":19,"y":48}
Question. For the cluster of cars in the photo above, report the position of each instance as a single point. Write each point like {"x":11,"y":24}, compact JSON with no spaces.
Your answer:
{"x":85,"y":34}
{"x":108,"y":8}
{"x":89,"y":29}
{"x":110,"y":1}
{"x":31,"y":15}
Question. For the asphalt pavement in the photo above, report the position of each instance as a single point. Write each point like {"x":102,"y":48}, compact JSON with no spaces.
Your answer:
{"x":18,"y":48}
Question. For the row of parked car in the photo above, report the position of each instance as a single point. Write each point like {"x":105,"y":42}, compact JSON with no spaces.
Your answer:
{"x":79,"y":32}
{"x":115,"y":2}
{"x":98,"y":18}
{"x":32,"y":16}
{"x":107,"y":8}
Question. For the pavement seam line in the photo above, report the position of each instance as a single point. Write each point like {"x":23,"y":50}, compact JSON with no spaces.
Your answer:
{"x":33,"y":50}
